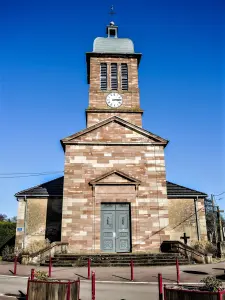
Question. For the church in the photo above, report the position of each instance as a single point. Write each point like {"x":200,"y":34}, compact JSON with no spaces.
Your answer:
{"x":114,"y":196}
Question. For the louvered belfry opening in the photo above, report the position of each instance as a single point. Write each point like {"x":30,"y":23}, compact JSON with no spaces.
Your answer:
{"x":124,"y":77}
{"x":103,"y":76}
{"x":114,"y":77}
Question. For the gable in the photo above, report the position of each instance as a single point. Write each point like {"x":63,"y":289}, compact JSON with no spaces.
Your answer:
{"x":115,"y":130}
{"x":115,"y":177}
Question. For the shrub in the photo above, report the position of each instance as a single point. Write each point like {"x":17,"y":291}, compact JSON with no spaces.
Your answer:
{"x":205,"y":246}
{"x":8,"y":253}
{"x":212,"y":284}
{"x":41,"y":275}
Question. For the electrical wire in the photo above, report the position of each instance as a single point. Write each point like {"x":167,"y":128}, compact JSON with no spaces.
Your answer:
{"x":19,"y":175}
{"x":219,"y":194}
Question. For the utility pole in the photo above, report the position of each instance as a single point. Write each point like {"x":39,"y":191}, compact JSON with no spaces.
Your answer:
{"x":197,"y":218}
{"x":214,"y":219}
{"x":220,"y":235}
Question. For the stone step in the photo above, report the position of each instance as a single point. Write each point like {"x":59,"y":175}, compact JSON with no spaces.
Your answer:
{"x":115,"y":259}
{"x":68,"y":257}
{"x":118,"y":255}
{"x":119,"y":264}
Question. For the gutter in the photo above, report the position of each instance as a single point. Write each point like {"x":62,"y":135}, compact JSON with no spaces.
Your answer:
{"x":32,"y":195}
{"x":187,"y":196}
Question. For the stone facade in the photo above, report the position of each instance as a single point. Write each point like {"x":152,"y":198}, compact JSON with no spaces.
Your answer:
{"x":81,"y":203}
{"x":182,"y":218}
{"x":131,"y":99}
{"x":20,"y":223}
{"x":32,"y":215}
{"x":96,"y":116}
{"x":38,"y":218}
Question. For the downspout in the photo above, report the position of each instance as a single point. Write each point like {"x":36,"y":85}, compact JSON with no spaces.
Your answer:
{"x":197,"y":218}
{"x":25,"y":222}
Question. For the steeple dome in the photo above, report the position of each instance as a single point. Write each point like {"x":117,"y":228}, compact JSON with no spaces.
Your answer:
{"x":113,"y":44}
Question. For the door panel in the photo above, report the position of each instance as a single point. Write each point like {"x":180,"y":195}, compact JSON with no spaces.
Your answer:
{"x":122,"y":231}
{"x":115,"y":227}
{"x":124,"y":206}
{"x":108,"y":231}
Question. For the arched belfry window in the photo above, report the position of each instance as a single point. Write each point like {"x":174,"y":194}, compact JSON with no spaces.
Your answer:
{"x":114,"y":77}
{"x":124,"y":77}
{"x":103,"y":76}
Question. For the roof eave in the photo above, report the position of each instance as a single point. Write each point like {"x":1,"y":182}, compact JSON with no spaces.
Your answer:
{"x":36,"y":195}
{"x":187,"y":196}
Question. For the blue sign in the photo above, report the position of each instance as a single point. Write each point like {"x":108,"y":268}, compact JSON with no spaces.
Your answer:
{"x":19,"y":228}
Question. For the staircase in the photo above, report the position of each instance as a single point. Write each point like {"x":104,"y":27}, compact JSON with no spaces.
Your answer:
{"x":116,"y":260}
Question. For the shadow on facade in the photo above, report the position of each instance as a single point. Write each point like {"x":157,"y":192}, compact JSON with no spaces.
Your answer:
{"x":54,"y":219}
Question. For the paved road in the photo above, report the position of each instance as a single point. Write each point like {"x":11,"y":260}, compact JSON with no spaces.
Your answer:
{"x":104,"y":291}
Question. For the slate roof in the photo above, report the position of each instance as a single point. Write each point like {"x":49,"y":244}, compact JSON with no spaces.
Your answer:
{"x":55,"y":188}
{"x":50,"y":188}
{"x":176,"y":191}
{"x":113,"y":45}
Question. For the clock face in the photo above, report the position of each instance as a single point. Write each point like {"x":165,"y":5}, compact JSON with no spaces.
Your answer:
{"x":114,"y":100}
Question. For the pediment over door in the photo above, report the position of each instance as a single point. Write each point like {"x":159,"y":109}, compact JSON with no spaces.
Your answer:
{"x":115,"y":177}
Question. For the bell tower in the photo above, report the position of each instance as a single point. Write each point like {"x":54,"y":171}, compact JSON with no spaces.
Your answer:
{"x":112,"y":75}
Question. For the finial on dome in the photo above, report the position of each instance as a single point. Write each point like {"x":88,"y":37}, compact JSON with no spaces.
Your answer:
{"x":111,"y":29}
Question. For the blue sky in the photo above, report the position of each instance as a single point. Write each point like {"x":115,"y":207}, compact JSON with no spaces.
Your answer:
{"x":43,"y":88}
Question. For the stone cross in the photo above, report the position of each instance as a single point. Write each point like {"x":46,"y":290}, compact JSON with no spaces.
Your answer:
{"x":185,"y":238}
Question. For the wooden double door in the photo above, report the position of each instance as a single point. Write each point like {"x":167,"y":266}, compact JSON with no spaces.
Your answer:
{"x":115,"y":227}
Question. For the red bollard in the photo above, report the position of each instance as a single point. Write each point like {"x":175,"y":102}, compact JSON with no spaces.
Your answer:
{"x":160,"y":284}
{"x":50,"y":267}
{"x":32,"y":274}
{"x":93,"y":285}
{"x":68,"y":291}
{"x":78,"y":280}
{"x":131,"y":270}
{"x":89,"y":268}
{"x":15,"y":265}
{"x":178,"y":271}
